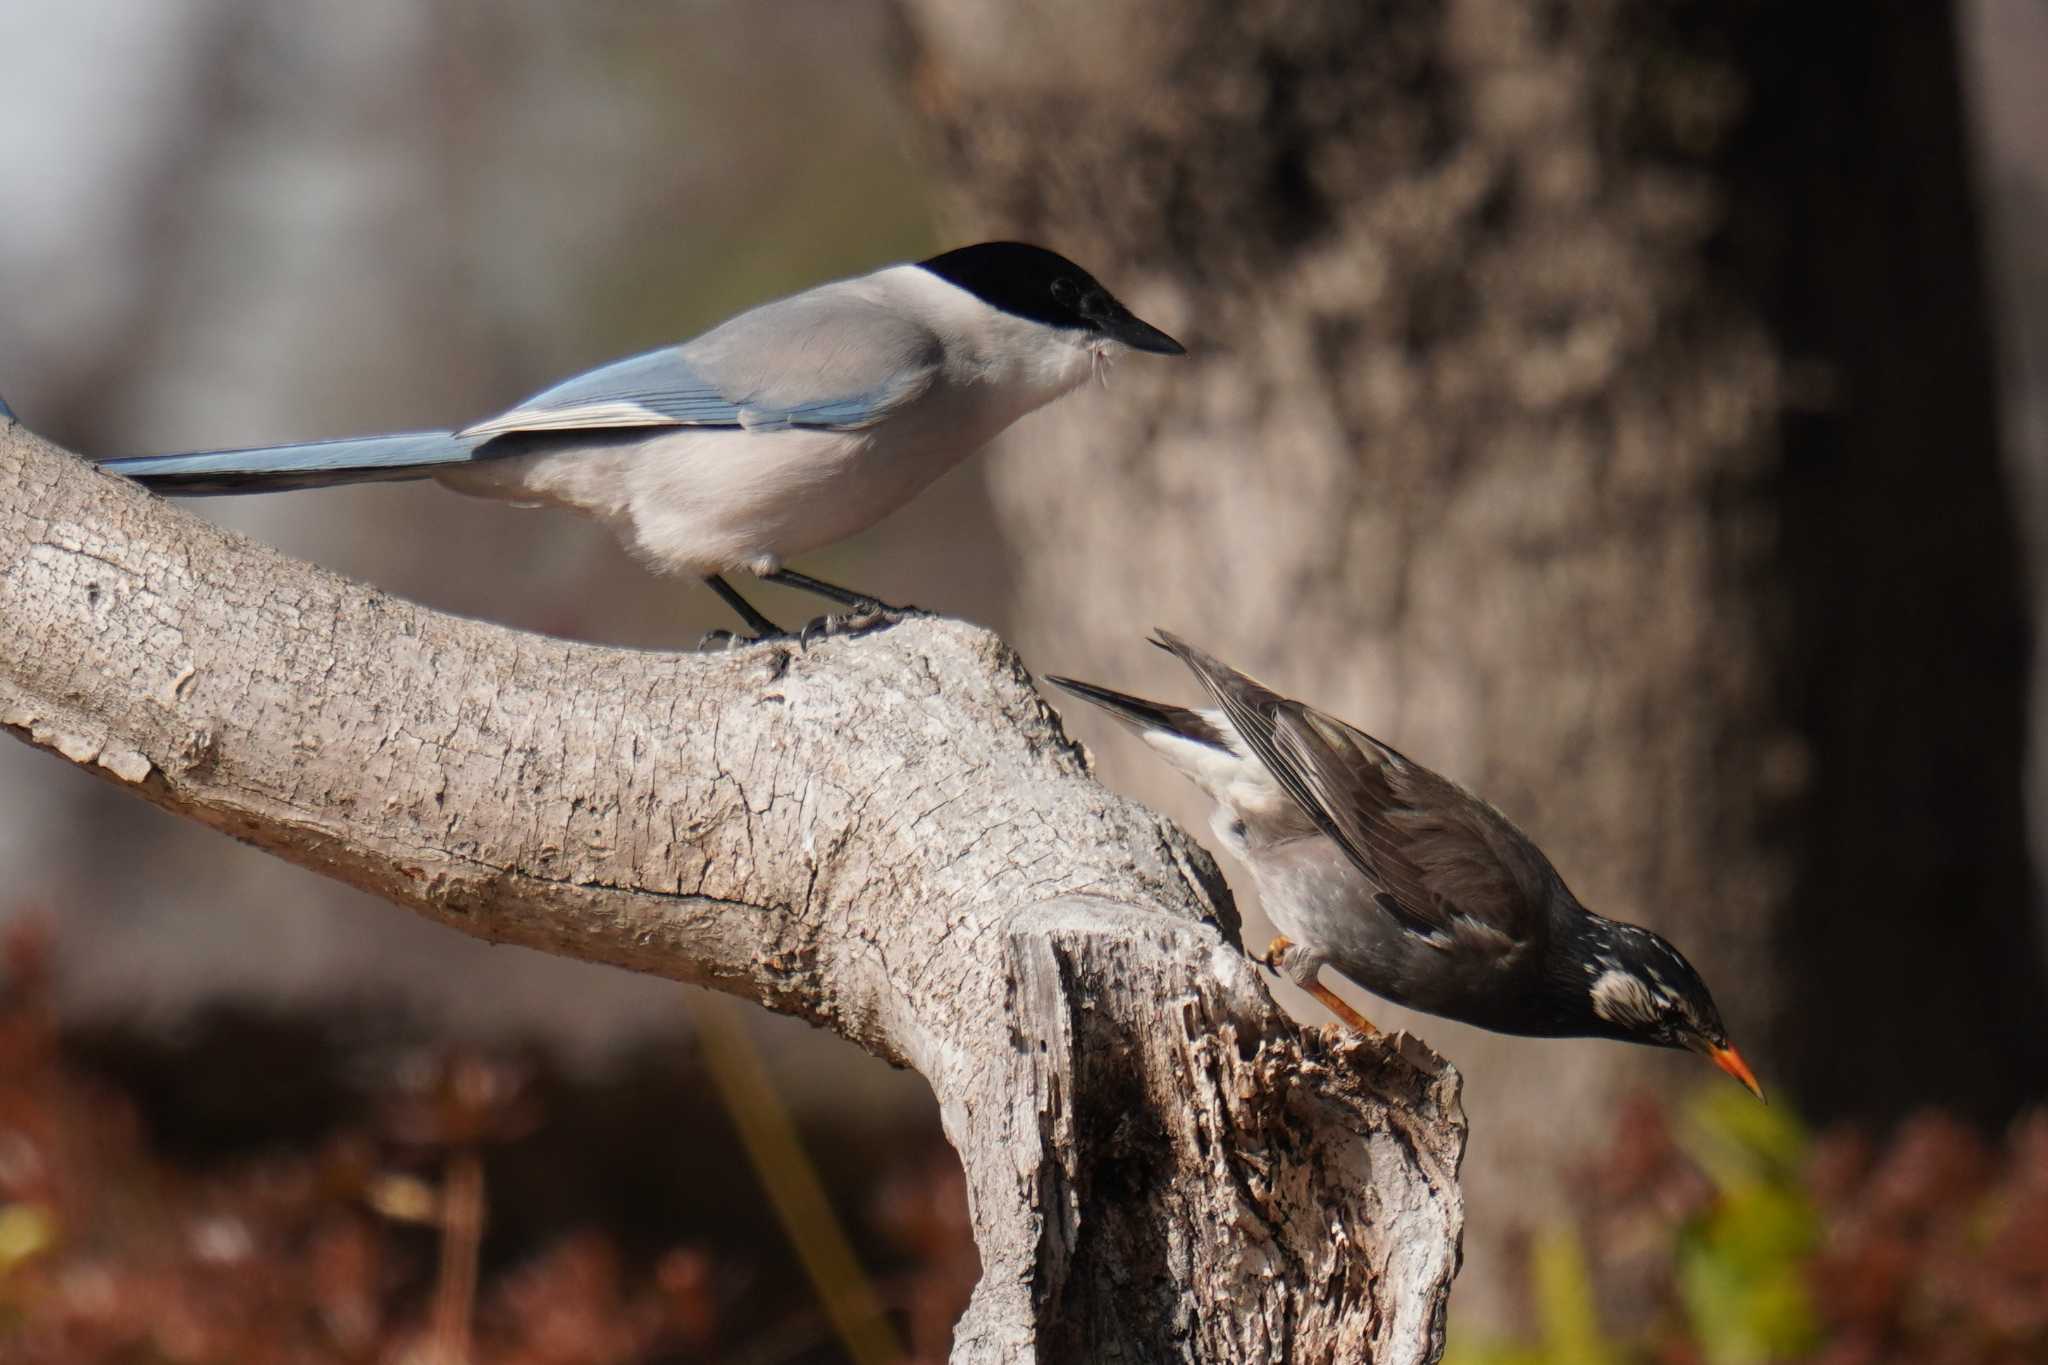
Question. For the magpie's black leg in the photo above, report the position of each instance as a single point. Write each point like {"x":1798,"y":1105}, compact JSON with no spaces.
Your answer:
{"x":863,"y":613}
{"x":763,"y":628}
{"x":845,"y":597}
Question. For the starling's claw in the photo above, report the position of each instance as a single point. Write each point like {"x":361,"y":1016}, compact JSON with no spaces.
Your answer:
{"x":1275,"y":961}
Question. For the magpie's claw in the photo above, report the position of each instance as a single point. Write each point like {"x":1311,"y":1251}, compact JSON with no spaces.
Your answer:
{"x":859,"y":619}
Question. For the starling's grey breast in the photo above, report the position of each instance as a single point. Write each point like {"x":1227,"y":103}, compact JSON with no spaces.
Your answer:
{"x":1317,"y":896}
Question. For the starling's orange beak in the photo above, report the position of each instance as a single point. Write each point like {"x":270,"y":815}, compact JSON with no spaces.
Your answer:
{"x":1730,"y":1061}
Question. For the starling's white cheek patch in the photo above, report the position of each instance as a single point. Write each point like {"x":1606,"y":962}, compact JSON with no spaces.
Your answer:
{"x":1622,"y":998}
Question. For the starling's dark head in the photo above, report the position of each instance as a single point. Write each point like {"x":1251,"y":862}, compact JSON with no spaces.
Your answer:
{"x":1641,"y":989}
{"x":1045,"y":287}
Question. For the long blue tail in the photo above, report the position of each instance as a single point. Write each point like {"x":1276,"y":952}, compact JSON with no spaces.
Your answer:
{"x":315,"y":464}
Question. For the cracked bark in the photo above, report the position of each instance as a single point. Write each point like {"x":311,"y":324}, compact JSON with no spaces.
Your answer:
{"x":889,"y":837}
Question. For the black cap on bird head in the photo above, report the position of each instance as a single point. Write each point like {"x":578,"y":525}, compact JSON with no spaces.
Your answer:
{"x":1043,"y":286}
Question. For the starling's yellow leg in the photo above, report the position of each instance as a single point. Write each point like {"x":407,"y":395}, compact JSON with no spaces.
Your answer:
{"x":1336,"y":1005}
{"x":1276,"y":952}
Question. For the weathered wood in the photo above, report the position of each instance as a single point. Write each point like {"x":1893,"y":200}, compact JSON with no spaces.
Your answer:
{"x":890,"y":837}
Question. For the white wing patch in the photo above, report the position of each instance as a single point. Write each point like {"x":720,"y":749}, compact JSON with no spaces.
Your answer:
{"x":585,"y":416}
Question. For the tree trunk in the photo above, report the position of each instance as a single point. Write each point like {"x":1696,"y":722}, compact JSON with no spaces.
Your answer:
{"x":889,"y":837}
{"x":1594,"y":400}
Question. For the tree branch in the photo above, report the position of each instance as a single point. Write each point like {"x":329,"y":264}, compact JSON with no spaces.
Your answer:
{"x":890,"y":837}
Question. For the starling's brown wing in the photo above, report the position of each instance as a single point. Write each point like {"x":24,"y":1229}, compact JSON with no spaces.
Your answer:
{"x":1449,"y":867}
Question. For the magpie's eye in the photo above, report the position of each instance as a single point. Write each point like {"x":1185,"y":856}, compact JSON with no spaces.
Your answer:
{"x":1066,"y":291}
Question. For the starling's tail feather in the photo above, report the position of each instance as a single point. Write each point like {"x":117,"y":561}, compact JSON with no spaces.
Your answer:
{"x":315,"y":464}
{"x":1144,"y":715}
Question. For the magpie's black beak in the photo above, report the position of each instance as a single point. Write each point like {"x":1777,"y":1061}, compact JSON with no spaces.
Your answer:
{"x":1118,"y":323}
{"x":1140,"y":335}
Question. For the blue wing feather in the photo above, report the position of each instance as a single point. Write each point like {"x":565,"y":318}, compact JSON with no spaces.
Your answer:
{"x":655,"y":389}
{"x":309,"y":464}
{"x":662,"y":388}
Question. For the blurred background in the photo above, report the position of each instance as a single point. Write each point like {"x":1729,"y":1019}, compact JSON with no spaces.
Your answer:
{"x":1638,"y":413}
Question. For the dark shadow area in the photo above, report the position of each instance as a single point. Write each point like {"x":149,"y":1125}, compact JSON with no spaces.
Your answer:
{"x":1912,"y":955}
